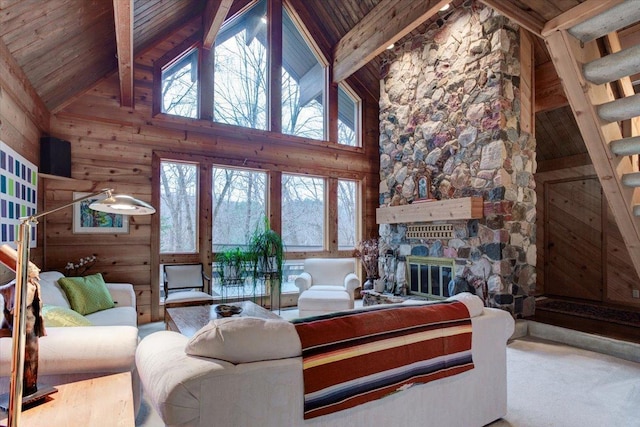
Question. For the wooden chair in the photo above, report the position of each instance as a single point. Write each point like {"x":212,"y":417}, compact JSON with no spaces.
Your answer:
{"x":184,"y":285}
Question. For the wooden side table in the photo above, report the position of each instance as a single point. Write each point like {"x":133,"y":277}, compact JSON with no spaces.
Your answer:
{"x":94,"y":402}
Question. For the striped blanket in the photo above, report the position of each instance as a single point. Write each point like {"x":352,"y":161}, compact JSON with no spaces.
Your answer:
{"x":353,"y":357}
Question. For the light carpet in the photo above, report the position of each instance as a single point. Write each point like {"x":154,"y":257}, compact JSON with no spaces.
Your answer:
{"x":549,"y":385}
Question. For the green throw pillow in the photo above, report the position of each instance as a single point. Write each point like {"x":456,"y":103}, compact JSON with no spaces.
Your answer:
{"x":62,"y":316}
{"x":87,"y":294}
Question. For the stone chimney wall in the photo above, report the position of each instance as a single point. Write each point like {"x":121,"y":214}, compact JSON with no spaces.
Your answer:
{"x":450,"y":110}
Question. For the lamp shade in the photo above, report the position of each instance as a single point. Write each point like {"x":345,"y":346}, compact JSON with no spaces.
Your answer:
{"x":122,"y":204}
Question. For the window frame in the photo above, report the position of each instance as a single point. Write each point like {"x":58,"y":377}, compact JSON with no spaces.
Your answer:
{"x":274,"y":119}
{"x":266,"y":195}
{"x":197,"y":207}
{"x":325,"y":214}
{"x":167,"y":61}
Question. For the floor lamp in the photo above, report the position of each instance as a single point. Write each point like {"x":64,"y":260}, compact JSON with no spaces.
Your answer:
{"x":119,"y":204}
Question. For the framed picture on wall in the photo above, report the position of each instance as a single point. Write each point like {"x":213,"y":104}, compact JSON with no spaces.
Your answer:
{"x":86,"y":220}
{"x":18,"y":194}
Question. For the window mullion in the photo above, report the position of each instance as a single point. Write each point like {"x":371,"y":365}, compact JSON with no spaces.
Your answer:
{"x":274,"y":201}
{"x":332,"y":216}
{"x":206,"y":86}
{"x":274,"y":46}
{"x":332,"y":106}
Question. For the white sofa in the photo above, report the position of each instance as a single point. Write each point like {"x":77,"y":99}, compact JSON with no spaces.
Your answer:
{"x":326,"y":285}
{"x":201,"y":391}
{"x":68,"y":354}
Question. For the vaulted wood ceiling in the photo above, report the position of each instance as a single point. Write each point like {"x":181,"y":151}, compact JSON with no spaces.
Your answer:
{"x":65,"y":46}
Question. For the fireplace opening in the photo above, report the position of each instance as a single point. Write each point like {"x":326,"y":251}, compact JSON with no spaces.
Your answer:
{"x":430,"y":276}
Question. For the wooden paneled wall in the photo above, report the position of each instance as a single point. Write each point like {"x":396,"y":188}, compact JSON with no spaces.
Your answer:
{"x":619,"y":277}
{"x":113,"y":147}
{"x":23,"y":120}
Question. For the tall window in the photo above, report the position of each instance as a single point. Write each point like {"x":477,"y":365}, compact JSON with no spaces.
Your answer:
{"x":303,"y":82}
{"x":178,"y":207}
{"x":303,"y":213}
{"x":347,"y":211}
{"x":239,"y":205}
{"x":180,"y":87}
{"x":240,"y":81}
{"x":240,"y":75}
{"x":348,"y":117}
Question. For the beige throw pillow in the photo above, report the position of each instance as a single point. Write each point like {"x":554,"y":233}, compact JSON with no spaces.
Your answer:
{"x":245,"y":339}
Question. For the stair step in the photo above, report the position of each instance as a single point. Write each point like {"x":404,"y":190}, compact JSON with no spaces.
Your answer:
{"x":613,"y":67}
{"x":631,"y":179}
{"x":620,"y":109}
{"x":613,"y":19}
{"x":626,"y":146}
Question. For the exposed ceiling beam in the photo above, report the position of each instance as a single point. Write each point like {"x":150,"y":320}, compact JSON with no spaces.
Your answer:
{"x":509,"y":9}
{"x":387,"y":23}
{"x":215,"y":13}
{"x":123,"y":18}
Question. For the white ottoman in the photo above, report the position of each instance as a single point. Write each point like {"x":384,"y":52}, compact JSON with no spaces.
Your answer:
{"x":315,"y":302}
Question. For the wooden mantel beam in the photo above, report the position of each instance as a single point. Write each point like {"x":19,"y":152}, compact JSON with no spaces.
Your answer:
{"x":215,"y":13}
{"x":387,"y":23}
{"x":123,"y":18}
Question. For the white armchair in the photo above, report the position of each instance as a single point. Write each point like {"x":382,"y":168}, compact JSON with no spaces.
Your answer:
{"x":326,"y":285}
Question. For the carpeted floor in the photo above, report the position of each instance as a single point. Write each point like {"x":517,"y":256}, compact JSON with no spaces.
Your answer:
{"x":549,"y":385}
{"x":590,"y":311}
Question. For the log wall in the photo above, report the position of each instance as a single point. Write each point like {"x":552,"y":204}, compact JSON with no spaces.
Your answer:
{"x":23,"y":120}
{"x":113,"y":147}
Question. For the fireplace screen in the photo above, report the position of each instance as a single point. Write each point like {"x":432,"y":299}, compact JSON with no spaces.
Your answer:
{"x":429,"y":276}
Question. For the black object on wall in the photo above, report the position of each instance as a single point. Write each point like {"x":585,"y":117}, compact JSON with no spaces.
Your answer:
{"x":55,"y":156}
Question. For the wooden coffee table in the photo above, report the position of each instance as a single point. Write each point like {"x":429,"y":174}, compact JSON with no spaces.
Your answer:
{"x":189,"y":320}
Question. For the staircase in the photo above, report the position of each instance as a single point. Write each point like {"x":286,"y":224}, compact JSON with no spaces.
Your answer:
{"x":595,"y":71}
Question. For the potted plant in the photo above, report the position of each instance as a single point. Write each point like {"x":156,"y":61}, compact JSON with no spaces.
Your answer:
{"x":231,"y":266}
{"x":267,"y":256}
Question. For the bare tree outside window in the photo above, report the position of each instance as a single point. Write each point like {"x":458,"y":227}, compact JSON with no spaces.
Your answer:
{"x":178,"y":207}
{"x":301,"y":120}
{"x":347,"y":210}
{"x":240,"y":86}
{"x":240,"y":98}
{"x":303,"y":216}
{"x":180,"y":87}
{"x":239,"y":206}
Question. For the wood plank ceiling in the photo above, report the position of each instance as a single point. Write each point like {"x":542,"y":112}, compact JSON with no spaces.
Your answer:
{"x":66,"y":46}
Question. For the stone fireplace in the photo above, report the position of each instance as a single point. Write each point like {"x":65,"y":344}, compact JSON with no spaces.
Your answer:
{"x":450,"y":112}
